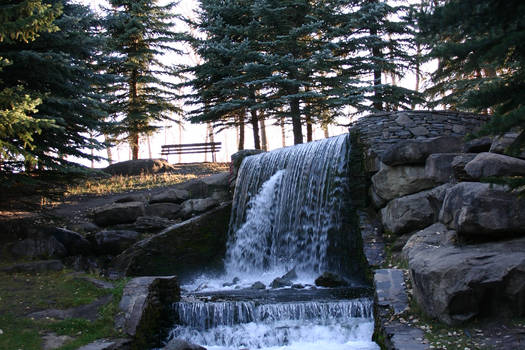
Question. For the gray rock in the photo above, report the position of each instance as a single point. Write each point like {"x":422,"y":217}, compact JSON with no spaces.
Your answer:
{"x":53,"y":341}
{"x":74,"y":243}
{"x":377,"y":201}
{"x":456,"y":284}
{"x":280,"y":282}
{"x":493,"y":164}
{"x":85,"y":227}
{"x":131,"y":198}
{"x":413,"y":212}
{"x":205,"y":186}
{"x":438,"y":167}
{"x":107,"y":344}
{"x":217,"y":181}
{"x":436,"y":235}
{"x":404,"y":120}
{"x":458,"y":166}
{"x":258,"y":285}
{"x":118,"y":213}
{"x":502,"y":143}
{"x":140,"y":166}
{"x":419,"y":131}
{"x":484,"y":210}
{"x":478,"y":145}
{"x":416,"y":151}
{"x":114,"y":242}
{"x":330,"y":280}
{"x":290,"y":275}
{"x":171,"y":196}
{"x":149,"y":224}
{"x":40,"y":246}
{"x":89,"y":312}
{"x":34,"y":267}
{"x":390,"y":290}
{"x":196,"y":206}
{"x":181,"y":249}
{"x":164,"y":210}
{"x":393,"y":182}
{"x":179,"y":344}
{"x":142,"y":309}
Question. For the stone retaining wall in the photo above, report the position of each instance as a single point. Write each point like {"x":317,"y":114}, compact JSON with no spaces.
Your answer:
{"x":380,"y":131}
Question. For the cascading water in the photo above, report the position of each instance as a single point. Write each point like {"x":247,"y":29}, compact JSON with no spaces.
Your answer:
{"x":290,"y":211}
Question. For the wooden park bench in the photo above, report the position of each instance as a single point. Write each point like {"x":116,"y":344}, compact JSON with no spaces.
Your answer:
{"x":191,"y":148}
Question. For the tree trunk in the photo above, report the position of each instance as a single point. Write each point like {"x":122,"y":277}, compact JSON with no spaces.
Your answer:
{"x":264,"y":140}
{"x":296,"y":120}
{"x":212,"y":140}
{"x":255,"y":126}
{"x":309,"y":129}
{"x":241,"y":130}
{"x":283,"y":132}
{"x":108,"y":149}
{"x":134,"y":135}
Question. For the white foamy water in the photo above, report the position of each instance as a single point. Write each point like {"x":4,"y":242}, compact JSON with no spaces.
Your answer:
{"x":288,"y":212}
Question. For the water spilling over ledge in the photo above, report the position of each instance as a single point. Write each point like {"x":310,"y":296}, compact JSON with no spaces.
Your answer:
{"x":291,"y":211}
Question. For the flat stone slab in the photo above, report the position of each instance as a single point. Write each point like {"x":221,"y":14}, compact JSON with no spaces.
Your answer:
{"x":399,"y":336}
{"x":390,"y":289}
{"x":372,"y":236}
{"x":105,"y":344}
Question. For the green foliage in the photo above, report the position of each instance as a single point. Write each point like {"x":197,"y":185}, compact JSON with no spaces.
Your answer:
{"x":141,"y":32}
{"x":481,"y":58}
{"x":60,"y":69}
{"x":22,"y":20}
{"x":298,"y":59}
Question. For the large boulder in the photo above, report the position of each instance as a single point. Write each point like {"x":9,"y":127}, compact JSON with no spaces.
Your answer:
{"x":438,"y":167}
{"x":164,"y":210}
{"x":459,"y":283}
{"x":483,"y":210}
{"x":458,"y":166}
{"x":393,"y":182}
{"x":181,"y":249}
{"x":173,"y":195}
{"x":413,"y":212}
{"x":118,"y":213}
{"x":493,"y":164}
{"x":197,"y":206}
{"x":143,"y":308}
{"x":74,"y":243}
{"x":417,"y":151}
{"x":503,"y":142}
{"x":139,"y":166}
{"x":206,"y":186}
{"x":114,"y":242}
{"x":478,"y":145}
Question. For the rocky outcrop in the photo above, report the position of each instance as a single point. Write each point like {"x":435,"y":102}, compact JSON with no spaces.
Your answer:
{"x":393,"y":182}
{"x":142,"y":309}
{"x":113,"y":242}
{"x":139,"y":166}
{"x":493,"y":164}
{"x":458,"y":283}
{"x":417,"y":151}
{"x":171,"y":196}
{"x":181,"y":249}
{"x":483,"y":210}
{"x":438,"y":167}
{"x":118,"y":213}
{"x":413,"y":212}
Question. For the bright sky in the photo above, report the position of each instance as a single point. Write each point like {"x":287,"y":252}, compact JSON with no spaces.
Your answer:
{"x":173,"y":133}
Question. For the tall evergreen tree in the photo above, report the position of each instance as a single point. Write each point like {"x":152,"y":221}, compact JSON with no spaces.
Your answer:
{"x":21,"y":21}
{"x":481,"y":58}
{"x":60,"y":68}
{"x":142,"y":31}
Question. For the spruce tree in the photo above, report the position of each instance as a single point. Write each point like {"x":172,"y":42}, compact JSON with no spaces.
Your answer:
{"x":480,"y":46}
{"x":21,"y":21}
{"x":141,"y":32}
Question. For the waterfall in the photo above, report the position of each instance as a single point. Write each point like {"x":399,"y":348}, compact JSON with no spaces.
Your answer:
{"x":289,"y":209}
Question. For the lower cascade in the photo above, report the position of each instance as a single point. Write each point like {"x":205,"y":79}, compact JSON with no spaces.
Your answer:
{"x":290,"y":223}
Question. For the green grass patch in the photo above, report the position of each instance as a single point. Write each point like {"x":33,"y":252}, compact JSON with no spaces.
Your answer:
{"x":22,"y":294}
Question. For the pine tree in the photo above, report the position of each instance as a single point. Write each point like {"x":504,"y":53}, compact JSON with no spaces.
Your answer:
{"x":21,"y":21}
{"x":141,"y":32}
{"x":481,"y":59}
{"x":60,"y":69}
